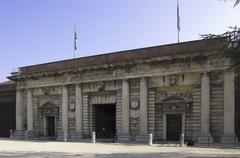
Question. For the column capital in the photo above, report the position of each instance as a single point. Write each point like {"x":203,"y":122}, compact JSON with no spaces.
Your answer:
{"x":65,"y":85}
{"x":29,"y":89}
{"x":205,"y":73}
{"x":143,"y":78}
{"x":229,"y":70}
{"x":78,"y":84}
{"x":19,"y":90}
{"x":125,"y":79}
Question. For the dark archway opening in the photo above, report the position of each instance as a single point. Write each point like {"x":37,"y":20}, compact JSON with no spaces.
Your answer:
{"x":174,"y":127}
{"x":105,"y":120}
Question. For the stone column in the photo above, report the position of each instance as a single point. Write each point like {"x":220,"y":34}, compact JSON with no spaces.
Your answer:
{"x":205,"y":136}
{"x":65,"y":110}
{"x":78,"y":111}
{"x":19,"y":114}
{"x":143,"y":111}
{"x":229,"y":108}
{"x":29,"y":110}
{"x":124,"y":136}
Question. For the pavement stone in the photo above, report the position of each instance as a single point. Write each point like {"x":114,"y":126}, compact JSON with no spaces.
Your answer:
{"x":55,"y":149}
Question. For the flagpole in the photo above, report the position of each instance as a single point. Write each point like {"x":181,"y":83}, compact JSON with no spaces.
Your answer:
{"x":178,"y":22}
{"x":74,"y":49}
{"x":178,"y":36}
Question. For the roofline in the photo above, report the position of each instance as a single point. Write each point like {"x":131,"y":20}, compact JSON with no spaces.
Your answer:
{"x":116,"y":52}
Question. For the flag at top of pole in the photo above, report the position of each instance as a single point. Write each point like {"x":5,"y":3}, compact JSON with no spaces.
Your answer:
{"x":178,"y":20}
{"x":75,"y":42}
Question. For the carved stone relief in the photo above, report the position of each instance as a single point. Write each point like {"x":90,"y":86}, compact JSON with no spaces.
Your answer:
{"x":71,"y":106}
{"x":134,"y":103}
{"x":100,"y":85}
{"x":173,"y":80}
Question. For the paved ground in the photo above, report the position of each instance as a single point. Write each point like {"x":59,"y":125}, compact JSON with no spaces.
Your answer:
{"x":46,"y":149}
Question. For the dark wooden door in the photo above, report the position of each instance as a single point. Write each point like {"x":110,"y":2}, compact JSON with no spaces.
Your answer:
{"x":51,"y":126}
{"x":105,"y":121}
{"x":174,"y":127}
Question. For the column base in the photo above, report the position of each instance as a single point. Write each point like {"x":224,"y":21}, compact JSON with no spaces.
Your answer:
{"x":229,"y":139}
{"x":18,"y":134}
{"x":62,"y":137}
{"x":205,"y":139}
{"x":28,"y":135}
{"x":123,"y":138}
{"x":142,"y":138}
{"x":76,"y":137}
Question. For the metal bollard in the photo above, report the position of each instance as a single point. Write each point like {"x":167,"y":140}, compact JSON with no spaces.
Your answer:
{"x":93,"y":137}
{"x":182,"y":140}
{"x":11,"y":134}
{"x":150,"y":139}
{"x":65,"y":136}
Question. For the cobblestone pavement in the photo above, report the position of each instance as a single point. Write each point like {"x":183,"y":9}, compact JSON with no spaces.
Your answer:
{"x":47,"y":149}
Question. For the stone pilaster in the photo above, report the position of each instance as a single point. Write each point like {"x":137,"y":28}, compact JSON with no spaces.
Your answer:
{"x":229,"y":109}
{"x":124,"y":136}
{"x":205,"y":136}
{"x":143,"y":133}
{"x":65,"y":110}
{"x":29,"y":110}
{"x":78,"y":111}
{"x":29,"y":132}
{"x":19,"y":132}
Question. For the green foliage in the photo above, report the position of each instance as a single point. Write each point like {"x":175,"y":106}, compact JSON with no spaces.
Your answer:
{"x":231,"y":45}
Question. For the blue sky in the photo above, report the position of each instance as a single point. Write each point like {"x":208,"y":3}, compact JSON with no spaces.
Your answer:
{"x":40,"y":31}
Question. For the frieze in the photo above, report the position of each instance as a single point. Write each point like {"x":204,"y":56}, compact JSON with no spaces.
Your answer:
{"x":92,"y":75}
{"x":148,"y":67}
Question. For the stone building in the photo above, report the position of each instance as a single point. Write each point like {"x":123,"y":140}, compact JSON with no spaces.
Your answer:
{"x":163,"y":90}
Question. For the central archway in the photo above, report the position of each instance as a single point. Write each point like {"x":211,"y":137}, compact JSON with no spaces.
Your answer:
{"x":104,"y":115}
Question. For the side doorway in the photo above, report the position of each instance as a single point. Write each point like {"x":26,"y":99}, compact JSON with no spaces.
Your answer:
{"x":174,"y":127}
{"x":51,"y":127}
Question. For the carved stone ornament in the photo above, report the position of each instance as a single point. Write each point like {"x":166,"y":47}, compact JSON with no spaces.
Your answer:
{"x":100,"y":85}
{"x":173,"y":107}
{"x":71,"y":115}
{"x":45,"y":90}
{"x":72,"y":106}
{"x":134,"y":103}
{"x":134,"y":121}
{"x":173,"y":80}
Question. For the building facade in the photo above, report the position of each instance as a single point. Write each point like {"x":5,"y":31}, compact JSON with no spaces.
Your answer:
{"x":165,"y":90}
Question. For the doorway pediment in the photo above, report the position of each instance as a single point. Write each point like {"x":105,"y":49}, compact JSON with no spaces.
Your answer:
{"x":174,"y":99}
